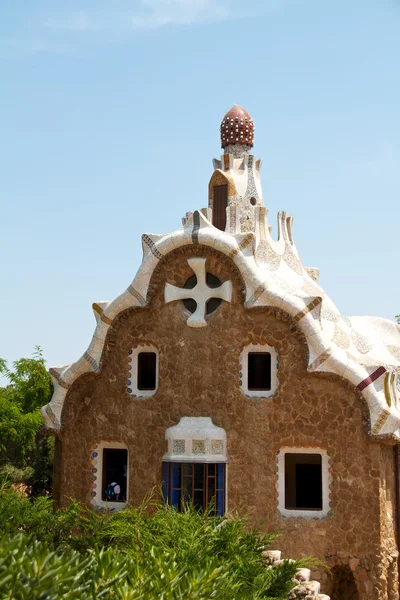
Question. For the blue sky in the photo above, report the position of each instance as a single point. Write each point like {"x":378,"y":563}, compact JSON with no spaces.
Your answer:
{"x":110,"y":118}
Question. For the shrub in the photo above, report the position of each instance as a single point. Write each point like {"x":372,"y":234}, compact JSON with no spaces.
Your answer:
{"x":150,"y":551}
{"x":29,"y":570}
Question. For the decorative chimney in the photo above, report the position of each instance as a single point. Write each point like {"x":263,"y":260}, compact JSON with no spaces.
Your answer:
{"x":235,"y":194}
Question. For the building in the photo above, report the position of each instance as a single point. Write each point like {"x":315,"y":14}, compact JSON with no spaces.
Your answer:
{"x":226,"y":372}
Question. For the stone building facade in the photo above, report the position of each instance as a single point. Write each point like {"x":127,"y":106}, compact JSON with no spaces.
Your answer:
{"x":226,"y":374}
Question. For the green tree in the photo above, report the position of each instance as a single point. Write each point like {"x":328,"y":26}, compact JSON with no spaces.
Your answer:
{"x":398,"y":319}
{"x":29,"y":388}
{"x":30,"y":384}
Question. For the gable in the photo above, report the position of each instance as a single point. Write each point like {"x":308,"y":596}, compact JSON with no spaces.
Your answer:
{"x":288,"y":288}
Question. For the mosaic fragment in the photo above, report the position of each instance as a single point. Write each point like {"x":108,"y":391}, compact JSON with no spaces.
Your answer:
{"x":178,"y":446}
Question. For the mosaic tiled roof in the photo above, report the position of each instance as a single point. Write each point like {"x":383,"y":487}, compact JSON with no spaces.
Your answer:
{"x":237,"y":127}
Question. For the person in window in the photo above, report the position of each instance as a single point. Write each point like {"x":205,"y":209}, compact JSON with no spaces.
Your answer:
{"x":113,"y":491}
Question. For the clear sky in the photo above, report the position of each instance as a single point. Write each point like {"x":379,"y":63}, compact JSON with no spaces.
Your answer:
{"x":110,"y":114}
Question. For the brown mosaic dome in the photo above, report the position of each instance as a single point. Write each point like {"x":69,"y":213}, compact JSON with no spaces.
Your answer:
{"x":237,"y":127}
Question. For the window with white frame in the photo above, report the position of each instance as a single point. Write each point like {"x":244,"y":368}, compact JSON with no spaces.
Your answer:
{"x":303,"y":482}
{"x":143,"y":376}
{"x":114,"y":474}
{"x":110,"y":475}
{"x":259,"y":370}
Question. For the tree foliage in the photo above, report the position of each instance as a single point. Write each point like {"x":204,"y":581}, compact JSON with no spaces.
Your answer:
{"x":30,"y":384}
{"x":29,"y":388}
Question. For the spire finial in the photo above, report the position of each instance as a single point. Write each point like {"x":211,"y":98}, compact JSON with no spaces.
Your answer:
{"x":237,"y":128}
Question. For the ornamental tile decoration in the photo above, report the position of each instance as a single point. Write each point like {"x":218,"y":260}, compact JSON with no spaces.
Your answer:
{"x":178,"y":446}
{"x":198,"y":439}
{"x":361,"y":342}
{"x":251,"y":191}
{"x":217,"y":446}
{"x":341,"y":338}
{"x":198,"y":446}
{"x":330,"y":315}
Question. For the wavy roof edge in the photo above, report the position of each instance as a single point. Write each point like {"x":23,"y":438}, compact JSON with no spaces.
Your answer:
{"x":362,"y":350}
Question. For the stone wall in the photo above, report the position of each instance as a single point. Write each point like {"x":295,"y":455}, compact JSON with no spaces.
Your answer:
{"x":387,"y":568}
{"x":199,"y":376}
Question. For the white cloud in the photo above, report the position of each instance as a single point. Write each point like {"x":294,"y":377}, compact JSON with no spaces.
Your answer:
{"x":178,"y":12}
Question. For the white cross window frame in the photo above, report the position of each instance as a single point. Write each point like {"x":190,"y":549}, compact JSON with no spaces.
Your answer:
{"x":201,"y":292}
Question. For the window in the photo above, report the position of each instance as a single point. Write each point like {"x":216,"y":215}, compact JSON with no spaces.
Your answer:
{"x":110,"y":465}
{"x":146,"y":376}
{"x":114,"y":476}
{"x":220,"y":203}
{"x":303,"y":482}
{"x":259,"y":371}
{"x":200,"y":484}
{"x":143,"y":377}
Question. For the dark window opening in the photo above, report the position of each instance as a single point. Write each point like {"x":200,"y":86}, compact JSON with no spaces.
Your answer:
{"x":146,"y":373}
{"x":259,"y":371}
{"x":114,"y":476}
{"x":344,"y":586}
{"x":212,"y":305}
{"x":220,"y":202}
{"x":199,"y":484}
{"x":303,"y":481}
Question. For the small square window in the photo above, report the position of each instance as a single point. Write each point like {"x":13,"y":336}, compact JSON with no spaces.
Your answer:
{"x":146,"y":374}
{"x":303,"y":482}
{"x":259,"y":371}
